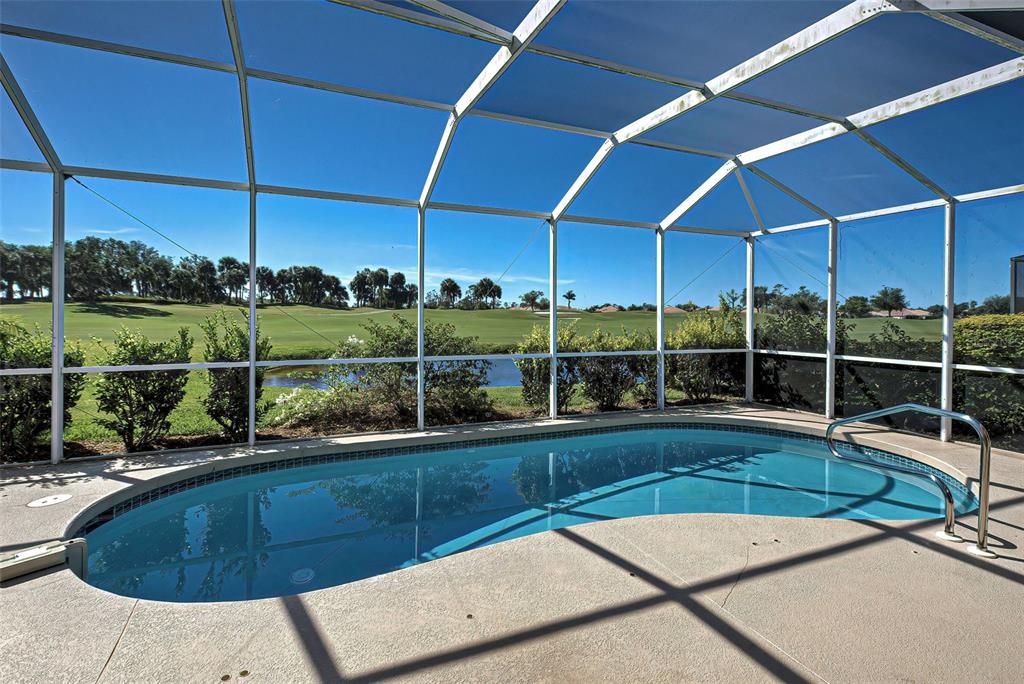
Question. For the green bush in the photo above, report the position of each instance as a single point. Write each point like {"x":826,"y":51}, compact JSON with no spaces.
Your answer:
{"x":536,"y":373}
{"x":25,"y":399}
{"x":997,"y":400}
{"x":792,"y":332}
{"x":606,"y":379}
{"x":991,"y":340}
{"x":383,"y":395}
{"x":140,"y":402}
{"x":704,"y":376}
{"x":644,"y":367}
{"x":322,"y":410}
{"x":228,"y":401}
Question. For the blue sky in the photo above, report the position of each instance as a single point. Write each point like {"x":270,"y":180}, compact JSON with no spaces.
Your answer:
{"x":113,"y":111}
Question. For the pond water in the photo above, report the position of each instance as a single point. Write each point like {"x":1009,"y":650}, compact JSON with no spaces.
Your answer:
{"x":502,"y":373}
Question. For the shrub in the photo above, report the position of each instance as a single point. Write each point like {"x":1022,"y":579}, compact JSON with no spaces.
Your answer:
{"x":383,"y":395}
{"x":792,"y":332}
{"x":25,"y":405}
{"x":995,"y":399}
{"x":319,"y":409}
{"x":644,"y":367}
{"x":536,"y":373}
{"x":990,"y":340}
{"x":141,"y":401}
{"x":704,"y":376}
{"x":228,"y":401}
{"x":606,"y":379}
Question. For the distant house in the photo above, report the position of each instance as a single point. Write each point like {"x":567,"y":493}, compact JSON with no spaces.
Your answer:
{"x":673,"y":310}
{"x":611,"y":308}
{"x":907,"y":314}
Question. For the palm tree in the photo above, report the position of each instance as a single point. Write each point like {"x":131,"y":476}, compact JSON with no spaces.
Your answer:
{"x":569,"y":296}
{"x":531,"y":299}
{"x":379,"y":280}
{"x":361,"y":287}
{"x":450,"y":292}
{"x":890,"y":299}
{"x":486,"y":290}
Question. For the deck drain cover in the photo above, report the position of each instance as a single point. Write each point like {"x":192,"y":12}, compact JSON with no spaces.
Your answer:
{"x":302,"y":576}
{"x":49,"y":500}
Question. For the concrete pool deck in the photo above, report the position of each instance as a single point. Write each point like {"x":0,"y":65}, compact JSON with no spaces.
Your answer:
{"x":665,"y":598}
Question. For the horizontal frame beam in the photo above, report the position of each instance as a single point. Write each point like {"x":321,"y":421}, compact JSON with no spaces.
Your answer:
{"x":900,"y":209}
{"x":90,"y":172}
{"x":282,"y":363}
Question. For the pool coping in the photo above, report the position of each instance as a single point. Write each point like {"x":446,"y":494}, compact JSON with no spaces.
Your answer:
{"x":245,"y":467}
{"x":154,"y":471}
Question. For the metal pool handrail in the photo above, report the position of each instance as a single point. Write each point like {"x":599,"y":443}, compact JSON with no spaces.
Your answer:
{"x":983,"y":482}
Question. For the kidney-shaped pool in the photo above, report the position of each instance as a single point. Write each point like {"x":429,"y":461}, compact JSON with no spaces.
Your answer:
{"x":271,"y":530}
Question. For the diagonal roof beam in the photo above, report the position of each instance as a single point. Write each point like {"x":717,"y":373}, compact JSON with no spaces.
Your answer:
{"x":936,"y":8}
{"x":899,"y":161}
{"x":980,"y":30}
{"x":234,"y":35}
{"x":779,"y":185}
{"x":528,"y":29}
{"x":468,"y":20}
{"x":815,"y":35}
{"x":749,"y":198}
{"x":28,"y":116}
{"x":965,"y":85}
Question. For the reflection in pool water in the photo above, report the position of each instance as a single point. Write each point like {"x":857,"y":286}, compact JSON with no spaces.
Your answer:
{"x":299,"y":529}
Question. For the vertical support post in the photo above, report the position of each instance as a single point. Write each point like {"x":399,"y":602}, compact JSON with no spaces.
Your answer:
{"x":948,"y":310}
{"x":421,"y":380}
{"x":830,"y":344}
{"x":238,"y":55}
{"x":749,"y":394}
{"x":252,"y":315}
{"x":553,"y":318}
{"x":660,"y":325}
{"x":57,"y":323}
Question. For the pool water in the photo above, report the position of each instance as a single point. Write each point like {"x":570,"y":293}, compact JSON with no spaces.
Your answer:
{"x":299,"y":529}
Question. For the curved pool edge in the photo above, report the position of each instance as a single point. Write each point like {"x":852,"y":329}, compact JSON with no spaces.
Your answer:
{"x":414,"y":612}
{"x":390,"y":444}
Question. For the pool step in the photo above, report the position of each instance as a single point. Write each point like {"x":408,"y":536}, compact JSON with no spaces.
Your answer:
{"x":33,"y":559}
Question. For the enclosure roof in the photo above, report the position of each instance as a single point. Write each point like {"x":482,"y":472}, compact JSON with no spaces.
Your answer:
{"x":708,"y":115}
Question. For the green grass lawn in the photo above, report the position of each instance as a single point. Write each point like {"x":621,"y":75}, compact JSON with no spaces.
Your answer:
{"x":291,"y":328}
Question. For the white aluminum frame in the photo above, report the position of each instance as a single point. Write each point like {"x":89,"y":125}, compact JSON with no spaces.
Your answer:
{"x":35,"y":129}
{"x":511,"y":46}
{"x":235,"y":36}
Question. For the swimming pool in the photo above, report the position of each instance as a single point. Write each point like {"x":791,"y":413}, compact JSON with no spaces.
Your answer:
{"x":251,"y":534}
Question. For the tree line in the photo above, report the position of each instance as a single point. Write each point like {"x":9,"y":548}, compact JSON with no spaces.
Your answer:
{"x":95,"y":268}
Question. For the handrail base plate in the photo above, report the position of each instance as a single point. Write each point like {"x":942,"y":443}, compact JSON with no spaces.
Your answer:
{"x":976,"y":550}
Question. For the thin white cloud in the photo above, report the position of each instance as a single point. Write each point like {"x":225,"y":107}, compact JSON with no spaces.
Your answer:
{"x":111,"y":231}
